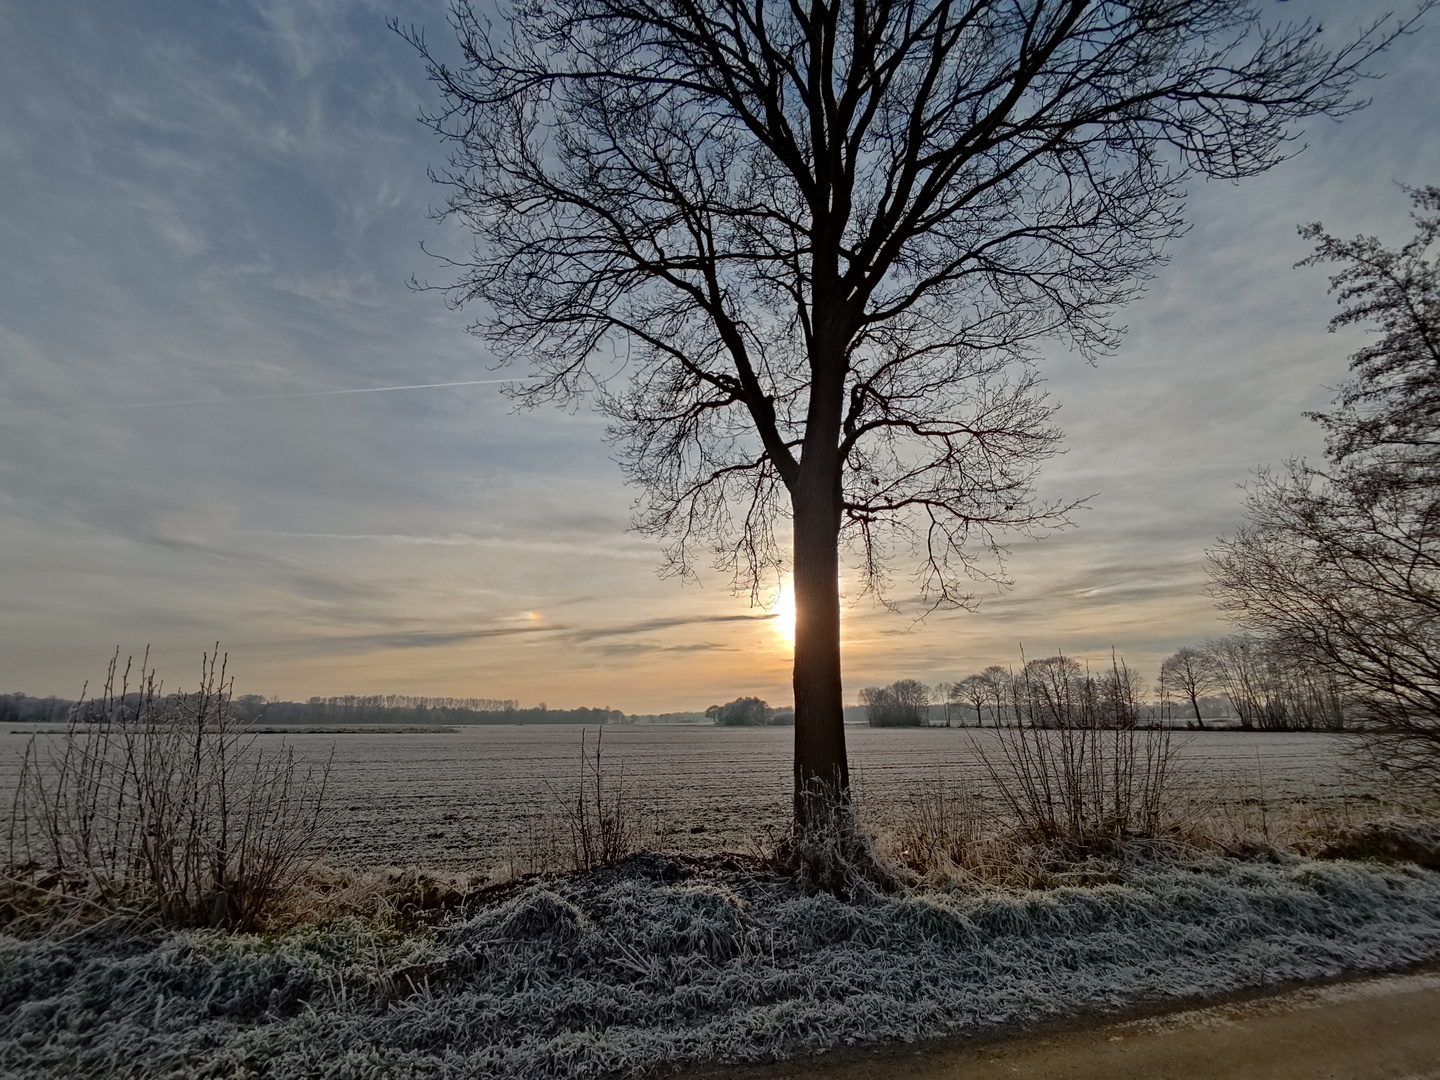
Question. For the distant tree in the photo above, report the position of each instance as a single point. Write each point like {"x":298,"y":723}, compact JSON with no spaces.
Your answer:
{"x":997,"y":683}
{"x":247,"y":708}
{"x":822,"y":241}
{"x":1276,"y":684}
{"x":1341,"y":563}
{"x":943,"y":693}
{"x":1190,"y":672}
{"x":1117,"y":694}
{"x":905,"y":703}
{"x":742,"y":712}
{"x":977,"y":692}
{"x":1237,"y":665}
{"x":913,"y":697}
{"x":1049,"y":688}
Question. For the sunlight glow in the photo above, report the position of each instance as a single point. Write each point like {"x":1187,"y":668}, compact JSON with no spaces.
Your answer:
{"x":784,"y":610}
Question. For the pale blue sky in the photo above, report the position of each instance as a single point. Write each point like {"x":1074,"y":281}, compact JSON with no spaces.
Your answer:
{"x":225,"y":200}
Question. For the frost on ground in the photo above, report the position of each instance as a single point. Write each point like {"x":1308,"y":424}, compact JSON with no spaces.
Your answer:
{"x":623,"y":969}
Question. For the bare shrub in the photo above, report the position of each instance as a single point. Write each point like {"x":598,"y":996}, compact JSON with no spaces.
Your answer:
{"x":946,"y":832}
{"x":161,"y":804}
{"x":605,"y":824}
{"x":1076,"y":772}
{"x":597,"y":821}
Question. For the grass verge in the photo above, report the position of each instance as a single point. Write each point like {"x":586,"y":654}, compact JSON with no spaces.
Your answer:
{"x":659,"y":961}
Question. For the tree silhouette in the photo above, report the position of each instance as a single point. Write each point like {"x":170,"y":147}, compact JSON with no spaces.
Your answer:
{"x":1341,"y":563}
{"x":1192,"y":672}
{"x":803,"y":254}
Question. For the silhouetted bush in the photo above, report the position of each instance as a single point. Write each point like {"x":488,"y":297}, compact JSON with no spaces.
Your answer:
{"x":742,"y":712}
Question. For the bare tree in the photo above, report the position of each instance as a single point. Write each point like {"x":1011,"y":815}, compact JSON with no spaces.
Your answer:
{"x":904,"y":703}
{"x":1235,"y":661}
{"x":1192,"y":673}
{"x":997,"y":680}
{"x":1342,"y":563}
{"x":976,"y":691}
{"x":1047,"y":690}
{"x":945,"y":697}
{"x":803,"y":253}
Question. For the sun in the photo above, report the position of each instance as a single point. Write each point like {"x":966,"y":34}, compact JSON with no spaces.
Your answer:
{"x":784,"y":612}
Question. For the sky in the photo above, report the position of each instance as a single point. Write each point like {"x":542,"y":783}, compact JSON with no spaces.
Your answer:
{"x":208,"y":217}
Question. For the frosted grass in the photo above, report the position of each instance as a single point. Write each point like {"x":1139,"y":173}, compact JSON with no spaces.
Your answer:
{"x":615,"y":974}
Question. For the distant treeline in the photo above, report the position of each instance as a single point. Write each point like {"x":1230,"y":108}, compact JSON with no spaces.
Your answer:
{"x":345,"y":709}
{"x":22,"y":709}
{"x":750,"y":712}
{"x":1244,"y":681}
{"x":667,"y":718}
{"x":400,"y":709}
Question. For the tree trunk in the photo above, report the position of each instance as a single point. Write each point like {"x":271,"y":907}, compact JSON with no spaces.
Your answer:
{"x":1195,"y":704}
{"x":822,"y":775}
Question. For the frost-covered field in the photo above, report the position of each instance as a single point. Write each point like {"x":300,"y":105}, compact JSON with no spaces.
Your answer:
{"x":452,"y":801}
{"x":616,"y":972}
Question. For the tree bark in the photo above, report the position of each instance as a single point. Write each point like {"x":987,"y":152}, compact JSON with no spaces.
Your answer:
{"x":822,"y":775}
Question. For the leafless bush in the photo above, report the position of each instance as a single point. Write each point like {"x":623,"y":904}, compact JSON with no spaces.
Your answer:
{"x":1075,"y":771}
{"x":599,"y":820}
{"x":163,"y":804}
{"x":604,"y":823}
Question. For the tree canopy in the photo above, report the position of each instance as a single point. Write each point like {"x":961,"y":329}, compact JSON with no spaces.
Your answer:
{"x":1342,"y":561}
{"x":803,"y":254}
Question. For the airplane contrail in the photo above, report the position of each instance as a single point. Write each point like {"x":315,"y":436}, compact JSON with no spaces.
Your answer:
{"x":274,"y":397}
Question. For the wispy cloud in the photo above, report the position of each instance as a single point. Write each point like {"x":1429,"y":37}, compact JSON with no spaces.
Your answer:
{"x":652,"y":626}
{"x":241,"y":398}
{"x":565,"y":633}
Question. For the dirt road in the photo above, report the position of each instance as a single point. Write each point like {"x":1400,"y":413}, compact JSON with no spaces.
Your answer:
{"x":1384,"y":1028}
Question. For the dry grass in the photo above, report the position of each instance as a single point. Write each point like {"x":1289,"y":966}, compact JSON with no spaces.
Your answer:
{"x":946,"y":834}
{"x":403,"y":898}
{"x":952,"y":832}
{"x":1245,"y":819}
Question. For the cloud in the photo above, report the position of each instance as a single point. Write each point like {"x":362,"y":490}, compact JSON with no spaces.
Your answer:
{"x":600,"y":639}
{"x":651,"y":626}
{"x":210,"y":215}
